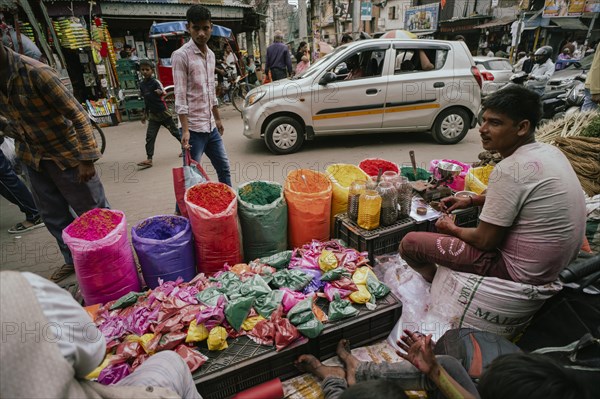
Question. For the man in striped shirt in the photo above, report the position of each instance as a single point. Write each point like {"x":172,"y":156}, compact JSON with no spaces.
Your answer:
{"x":54,"y":138}
{"x":195,"y":97}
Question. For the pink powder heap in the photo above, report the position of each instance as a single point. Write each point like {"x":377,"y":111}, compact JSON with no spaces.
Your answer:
{"x":94,"y":225}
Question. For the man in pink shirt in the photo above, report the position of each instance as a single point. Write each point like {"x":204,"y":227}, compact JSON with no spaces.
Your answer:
{"x":195,"y":96}
{"x":533,"y":217}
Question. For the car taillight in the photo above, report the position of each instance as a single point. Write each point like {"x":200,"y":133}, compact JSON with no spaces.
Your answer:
{"x":477,"y":75}
{"x":487,"y":76}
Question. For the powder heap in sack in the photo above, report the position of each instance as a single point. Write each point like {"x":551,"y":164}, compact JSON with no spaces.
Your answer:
{"x":260,"y":193}
{"x":213,"y":197}
{"x":161,"y":228}
{"x":94,"y":225}
{"x":372,"y":166}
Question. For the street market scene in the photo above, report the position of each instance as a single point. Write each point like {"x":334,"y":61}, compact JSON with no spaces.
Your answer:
{"x":300,"y":199}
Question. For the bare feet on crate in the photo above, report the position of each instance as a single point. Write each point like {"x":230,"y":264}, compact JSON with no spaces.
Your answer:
{"x":310,"y":364}
{"x":351,"y":363}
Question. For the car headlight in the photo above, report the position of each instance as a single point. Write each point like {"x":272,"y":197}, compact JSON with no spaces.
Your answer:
{"x":252,"y":98}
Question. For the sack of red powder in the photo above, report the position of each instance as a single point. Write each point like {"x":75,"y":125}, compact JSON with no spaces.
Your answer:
{"x":212,"y":209}
{"x":102,"y":255}
{"x":371,"y":166}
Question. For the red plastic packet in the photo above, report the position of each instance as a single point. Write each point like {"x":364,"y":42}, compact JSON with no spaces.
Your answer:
{"x":193,"y":359}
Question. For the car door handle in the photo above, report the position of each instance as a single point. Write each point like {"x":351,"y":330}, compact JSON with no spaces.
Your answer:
{"x":372,"y":91}
{"x":439,"y":84}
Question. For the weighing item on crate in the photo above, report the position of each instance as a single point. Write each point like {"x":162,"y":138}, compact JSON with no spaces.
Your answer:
{"x":342,"y":176}
{"x":369,"y":210}
{"x":293,"y":279}
{"x":165,"y":248}
{"x":192,"y":358}
{"x":458,"y":182}
{"x":196,"y":332}
{"x":212,"y":208}
{"x":308,"y":194}
{"x":237,"y":310}
{"x":357,"y":188}
{"x":341,"y":308}
{"x":371,"y":166}
{"x":102,"y":255}
{"x":263,"y":214}
{"x":422,"y":174}
{"x":389,"y":203}
{"x":278,"y":260}
{"x":217,"y":339}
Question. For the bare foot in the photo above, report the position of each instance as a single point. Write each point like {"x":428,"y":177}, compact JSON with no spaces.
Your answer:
{"x":310,"y":364}
{"x":351,"y":363}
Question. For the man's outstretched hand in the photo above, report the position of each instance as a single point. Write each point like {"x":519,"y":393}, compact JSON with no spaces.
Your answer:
{"x":419,"y":351}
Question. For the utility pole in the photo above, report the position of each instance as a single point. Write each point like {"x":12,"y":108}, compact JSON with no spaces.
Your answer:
{"x":355,"y":18}
{"x":302,"y":20}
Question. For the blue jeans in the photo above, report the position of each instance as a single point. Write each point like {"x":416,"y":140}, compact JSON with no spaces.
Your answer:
{"x":211,"y":144}
{"x":588,"y":104}
{"x":14,"y":190}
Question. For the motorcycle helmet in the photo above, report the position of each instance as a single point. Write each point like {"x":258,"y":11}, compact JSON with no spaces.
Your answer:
{"x":542,"y":54}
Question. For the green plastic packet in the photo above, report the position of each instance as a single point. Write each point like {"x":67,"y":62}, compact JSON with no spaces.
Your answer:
{"x":301,"y":312}
{"x":237,"y":310}
{"x":230,"y":283}
{"x":267,"y":304}
{"x":340,"y":308}
{"x":127,"y":300}
{"x":291,"y":278}
{"x":209,"y":296}
{"x":311,"y":329}
{"x":335,"y":274}
{"x":376,"y":287}
{"x":255,"y":287}
{"x":278,"y":260}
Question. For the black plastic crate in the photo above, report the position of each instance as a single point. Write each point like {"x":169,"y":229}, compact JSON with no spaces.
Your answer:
{"x":245,"y":363}
{"x":379,"y":241}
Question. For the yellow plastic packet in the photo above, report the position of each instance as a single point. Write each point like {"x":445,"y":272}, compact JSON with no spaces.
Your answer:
{"x":362,"y":295}
{"x":196,"y":333}
{"x":217,"y":339}
{"x":250,"y":322}
{"x":144,"y":340}
{"x":327,"y":261}
{"x":96,"y":372}
{"x":361,"y":274}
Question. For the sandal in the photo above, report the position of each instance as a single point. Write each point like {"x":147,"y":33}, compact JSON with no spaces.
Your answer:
{"x":145,"y":164}
{"x":21,"y":228}
{"x":62,"y":273}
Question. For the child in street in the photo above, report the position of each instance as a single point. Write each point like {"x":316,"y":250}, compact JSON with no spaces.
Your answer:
{"x":155,"y":110}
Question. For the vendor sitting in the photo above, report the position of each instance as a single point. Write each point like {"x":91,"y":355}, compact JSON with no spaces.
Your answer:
{"x":533,"y":217}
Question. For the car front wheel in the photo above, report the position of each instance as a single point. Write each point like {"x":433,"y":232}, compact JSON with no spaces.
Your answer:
{"x":284,"y":135}
{"x":451,"y":126}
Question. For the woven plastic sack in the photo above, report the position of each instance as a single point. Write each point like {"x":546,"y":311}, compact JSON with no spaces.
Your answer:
{"x":264,"y":227}
{"x":308,"y":195}
{"x":165,"y":249}
{"x":342,"y":175}
{"x":458,"y":183}
{"x":477,"y":179}
{"x":216,"y":237}
{"x":105,"y":268}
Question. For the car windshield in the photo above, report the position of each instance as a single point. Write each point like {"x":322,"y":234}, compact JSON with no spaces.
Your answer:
{"x":312,"y":68}
{"x":584,"y":63}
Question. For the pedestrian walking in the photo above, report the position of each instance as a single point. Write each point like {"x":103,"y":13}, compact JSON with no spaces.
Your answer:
{"x":279,"y":61}
{"x":155,"y":110}
{"x":195,"y":97}
{"x":54,"y":138}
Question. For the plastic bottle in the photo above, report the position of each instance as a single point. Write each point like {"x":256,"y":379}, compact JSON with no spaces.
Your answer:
{"x":389,"y":203}
{"x":357,"y":188}
{"x":369,"y":210}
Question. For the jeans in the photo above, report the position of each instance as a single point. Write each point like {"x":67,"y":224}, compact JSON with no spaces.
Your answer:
{"x":56,"y":190}
{"x":154,"y":124}
{"x":588,"y":104}
{"x":14,"y":190}
{"x":407,"y":376}
{"x":211,"y":144}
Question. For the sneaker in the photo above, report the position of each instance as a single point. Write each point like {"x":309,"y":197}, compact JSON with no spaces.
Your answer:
{"x":145,"y":164}
{"x":62,"y":273}
{"x":26,"y":226}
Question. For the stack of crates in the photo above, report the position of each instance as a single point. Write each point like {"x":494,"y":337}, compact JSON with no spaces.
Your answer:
{"x":129,"y":81}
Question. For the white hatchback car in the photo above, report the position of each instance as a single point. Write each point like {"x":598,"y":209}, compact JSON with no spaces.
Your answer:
{"x":495,"y":71}
{"x":369,"y":86}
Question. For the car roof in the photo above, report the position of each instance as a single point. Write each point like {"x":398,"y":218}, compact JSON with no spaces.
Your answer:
{"x":387,"y":40}
{"x":480,"y":58}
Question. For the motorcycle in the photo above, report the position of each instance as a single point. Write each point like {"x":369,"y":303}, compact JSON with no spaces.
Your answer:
{"x":574,"y":98}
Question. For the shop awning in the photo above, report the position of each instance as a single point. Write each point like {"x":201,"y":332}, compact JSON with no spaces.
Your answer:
{"x":180,"y":27}
{"x":497,"y":22}
{"x":168,"y":11}
{"x":568,"y":23}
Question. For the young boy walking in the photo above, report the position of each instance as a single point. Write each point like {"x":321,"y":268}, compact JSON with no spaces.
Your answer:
{"x":155,"y":110}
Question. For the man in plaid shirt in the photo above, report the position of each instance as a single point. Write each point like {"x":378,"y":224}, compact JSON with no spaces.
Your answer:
{"x":54,"y":138}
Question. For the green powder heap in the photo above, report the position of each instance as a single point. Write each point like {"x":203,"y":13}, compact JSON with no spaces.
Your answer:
{"x":260,"y":193}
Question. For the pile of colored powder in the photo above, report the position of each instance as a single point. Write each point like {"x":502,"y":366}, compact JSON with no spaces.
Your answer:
{"x":372,"y":166}
{"x":214,"y":197}
{"x":94,"y":225}
{"x":260,"y":193}
{"x":161,"y":227}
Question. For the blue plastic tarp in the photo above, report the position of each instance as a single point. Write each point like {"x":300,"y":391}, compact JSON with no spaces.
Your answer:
{"x":181,"y":26}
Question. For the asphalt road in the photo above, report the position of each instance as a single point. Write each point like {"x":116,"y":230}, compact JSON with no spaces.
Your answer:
{"x":144,"y":193}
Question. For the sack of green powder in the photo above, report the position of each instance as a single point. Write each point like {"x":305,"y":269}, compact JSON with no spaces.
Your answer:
{"x":263,"y":216}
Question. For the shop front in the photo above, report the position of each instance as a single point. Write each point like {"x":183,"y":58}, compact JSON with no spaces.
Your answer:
{"x":466,"y":27}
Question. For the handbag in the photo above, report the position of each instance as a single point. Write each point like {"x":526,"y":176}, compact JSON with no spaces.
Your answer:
{"x":186,"y":176}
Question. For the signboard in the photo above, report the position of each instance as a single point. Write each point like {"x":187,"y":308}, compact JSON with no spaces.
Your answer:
{"x":563,"y":8}
{"x":422,"y":18}
{"x":366,"y":11}
{"x":592,"y":6}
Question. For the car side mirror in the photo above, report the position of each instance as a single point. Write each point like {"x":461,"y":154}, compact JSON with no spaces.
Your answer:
{"x":327,"y":78}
